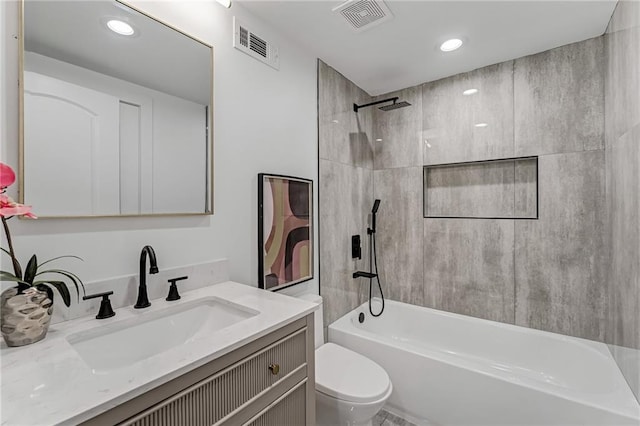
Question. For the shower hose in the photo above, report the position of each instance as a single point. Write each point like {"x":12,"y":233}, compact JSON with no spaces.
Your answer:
{"x":373,"y":262}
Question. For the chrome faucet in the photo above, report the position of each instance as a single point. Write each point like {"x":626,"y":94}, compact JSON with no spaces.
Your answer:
{"x":143,"y":298}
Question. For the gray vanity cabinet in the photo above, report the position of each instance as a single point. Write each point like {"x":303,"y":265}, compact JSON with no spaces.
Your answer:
{"x":287,"y":410}
{"x":268,"y":382}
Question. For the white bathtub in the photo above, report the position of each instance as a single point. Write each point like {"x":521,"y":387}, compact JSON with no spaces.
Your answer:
{"x":450,"y":369}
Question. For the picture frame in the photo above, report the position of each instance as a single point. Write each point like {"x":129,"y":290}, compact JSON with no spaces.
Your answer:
{"x":285,"y":231}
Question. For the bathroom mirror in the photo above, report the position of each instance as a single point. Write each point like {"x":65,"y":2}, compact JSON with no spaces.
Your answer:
{"x":116,"y":112}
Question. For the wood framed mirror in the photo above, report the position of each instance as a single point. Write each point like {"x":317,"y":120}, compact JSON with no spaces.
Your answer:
{"x":116,"y":112}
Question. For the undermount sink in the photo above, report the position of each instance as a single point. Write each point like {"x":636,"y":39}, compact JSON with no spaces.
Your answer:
{"x":132,"y":340}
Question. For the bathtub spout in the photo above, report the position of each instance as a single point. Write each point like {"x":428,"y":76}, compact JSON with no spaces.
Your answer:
{"x":363,"y":274}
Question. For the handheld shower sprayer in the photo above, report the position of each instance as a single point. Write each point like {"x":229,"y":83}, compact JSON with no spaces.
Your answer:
{"x":374,"y":211}
{"x":373,"y":261}
{"x":376,"y":206}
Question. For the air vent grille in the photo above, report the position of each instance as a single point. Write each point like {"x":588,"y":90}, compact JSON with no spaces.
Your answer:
{"x":364,"y":14}
{"x":258,"y":45}
{"x":244,"y":37}
{"x":254,"y":45}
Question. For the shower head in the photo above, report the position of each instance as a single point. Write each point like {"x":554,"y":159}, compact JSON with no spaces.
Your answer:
{"x":394,"y":105}
{"x":376,"y":205}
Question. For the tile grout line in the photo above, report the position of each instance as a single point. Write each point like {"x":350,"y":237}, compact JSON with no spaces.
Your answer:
{"x":422,"y":201}
{"x":344,"y":164}
{"x":513,"y":112}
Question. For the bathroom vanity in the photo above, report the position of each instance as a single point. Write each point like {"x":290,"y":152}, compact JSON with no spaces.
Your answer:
{"x":223,"y":354}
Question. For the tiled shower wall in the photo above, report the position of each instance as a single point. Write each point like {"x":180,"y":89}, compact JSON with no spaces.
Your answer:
{"x":622,"y":129}
{"x":547,"y":273}
{"x":345,"y":190}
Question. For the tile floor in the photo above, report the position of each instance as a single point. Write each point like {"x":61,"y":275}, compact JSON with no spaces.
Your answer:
{"x":385,"y":418}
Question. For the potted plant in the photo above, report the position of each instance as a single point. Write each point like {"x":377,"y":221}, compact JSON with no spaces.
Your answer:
{"x":26,"y":308}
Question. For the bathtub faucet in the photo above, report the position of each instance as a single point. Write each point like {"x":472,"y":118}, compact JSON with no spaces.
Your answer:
{"x":363,"y":274}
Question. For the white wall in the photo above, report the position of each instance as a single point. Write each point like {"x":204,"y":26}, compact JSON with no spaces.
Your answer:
{"x":264,"y":121}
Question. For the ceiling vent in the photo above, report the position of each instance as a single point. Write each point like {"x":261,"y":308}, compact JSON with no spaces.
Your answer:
{"x":364,"y":14}
{"x":254,"y":45}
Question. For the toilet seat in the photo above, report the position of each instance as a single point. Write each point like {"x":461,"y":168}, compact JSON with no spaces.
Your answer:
{"x":346,"y":375}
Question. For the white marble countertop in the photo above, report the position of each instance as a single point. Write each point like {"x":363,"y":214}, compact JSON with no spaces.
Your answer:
{"x":48,"y":383}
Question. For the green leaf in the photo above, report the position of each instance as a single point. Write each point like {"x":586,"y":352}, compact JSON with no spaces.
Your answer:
{"x":62,"y":289}
{"x":7,"y":276}
{"x":59,"y":257}
{"x":46,"y":289}
{"x":59,"y":271}
{"x":32,"y":268}
{"x":73,"y":277}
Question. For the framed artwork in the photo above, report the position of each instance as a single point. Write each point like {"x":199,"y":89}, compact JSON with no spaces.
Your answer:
{"x":285,"y":231}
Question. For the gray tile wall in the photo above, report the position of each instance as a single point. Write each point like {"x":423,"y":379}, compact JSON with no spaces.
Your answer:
{"x":473,"y":190}
{"x":622,"y":129}
{"x":547,"y":273}
{"x":560,"y":258}
{"x":344,"y":136}
{"x":449,"y":117}
{"x":345,"y":190}
{"x":558,"y":99}
{"x":399,"y":233}
{"x":526,"y":188}
{"x":398,"y":133}
{"x":468,"y":267}
{"x":482,"y":190}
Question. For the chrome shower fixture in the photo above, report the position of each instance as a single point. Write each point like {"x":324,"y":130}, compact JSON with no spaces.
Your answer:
{"x":394,"y":105}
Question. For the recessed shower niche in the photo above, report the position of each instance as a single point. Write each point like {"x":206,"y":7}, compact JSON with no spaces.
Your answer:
{"x":494,"y":189}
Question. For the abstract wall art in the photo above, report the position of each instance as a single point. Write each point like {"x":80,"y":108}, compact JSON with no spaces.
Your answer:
{"x":285,"y":231}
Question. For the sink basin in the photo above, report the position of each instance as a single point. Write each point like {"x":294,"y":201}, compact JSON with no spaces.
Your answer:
{"x":135,"y":339}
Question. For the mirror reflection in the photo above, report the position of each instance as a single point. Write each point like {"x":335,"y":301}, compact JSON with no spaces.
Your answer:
{"x":116,"y":113}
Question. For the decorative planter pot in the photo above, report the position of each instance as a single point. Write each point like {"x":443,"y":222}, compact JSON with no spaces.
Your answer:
{"x":25,"y":315}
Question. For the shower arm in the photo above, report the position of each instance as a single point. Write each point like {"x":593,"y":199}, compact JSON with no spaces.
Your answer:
{"x":357,"y":107}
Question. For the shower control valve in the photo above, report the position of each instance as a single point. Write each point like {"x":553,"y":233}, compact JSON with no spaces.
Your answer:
{"x":356,"y":248}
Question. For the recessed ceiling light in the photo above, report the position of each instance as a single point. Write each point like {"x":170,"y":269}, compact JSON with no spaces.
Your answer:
{"x":120,"y":27}
{"x":470,"y":92}
{"x":378,"y":140}
{"x":335,"y":121}
{"x":451,"y":45}
{"x":481,"y":125}
{"x":225,"y":3}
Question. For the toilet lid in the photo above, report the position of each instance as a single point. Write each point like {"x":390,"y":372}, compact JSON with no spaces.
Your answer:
{"x":349,"y":376}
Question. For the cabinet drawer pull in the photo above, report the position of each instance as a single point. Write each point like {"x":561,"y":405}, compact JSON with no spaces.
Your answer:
{"x":274,"y":368}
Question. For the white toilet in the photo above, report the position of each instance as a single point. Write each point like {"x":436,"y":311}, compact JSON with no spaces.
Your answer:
{"x":350,"y":388}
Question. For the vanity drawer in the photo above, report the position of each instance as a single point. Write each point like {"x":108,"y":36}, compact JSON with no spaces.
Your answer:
{"x":288,"y":410}
{"x":217,"y":398}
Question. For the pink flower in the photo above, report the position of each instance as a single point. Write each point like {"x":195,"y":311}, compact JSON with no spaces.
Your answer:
{"x":9,"y":208}
{"x":7,"y":176}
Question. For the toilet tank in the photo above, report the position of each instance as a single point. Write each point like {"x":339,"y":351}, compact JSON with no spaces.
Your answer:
{"x":317,"y":318}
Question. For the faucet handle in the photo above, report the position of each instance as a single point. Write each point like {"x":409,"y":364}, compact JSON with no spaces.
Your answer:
{"x":173,"y":289}
{"x":106,"y":311}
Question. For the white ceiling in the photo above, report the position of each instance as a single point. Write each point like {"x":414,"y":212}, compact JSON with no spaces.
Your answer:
{"x":157,"y":57}
{"x":405,"y":51}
